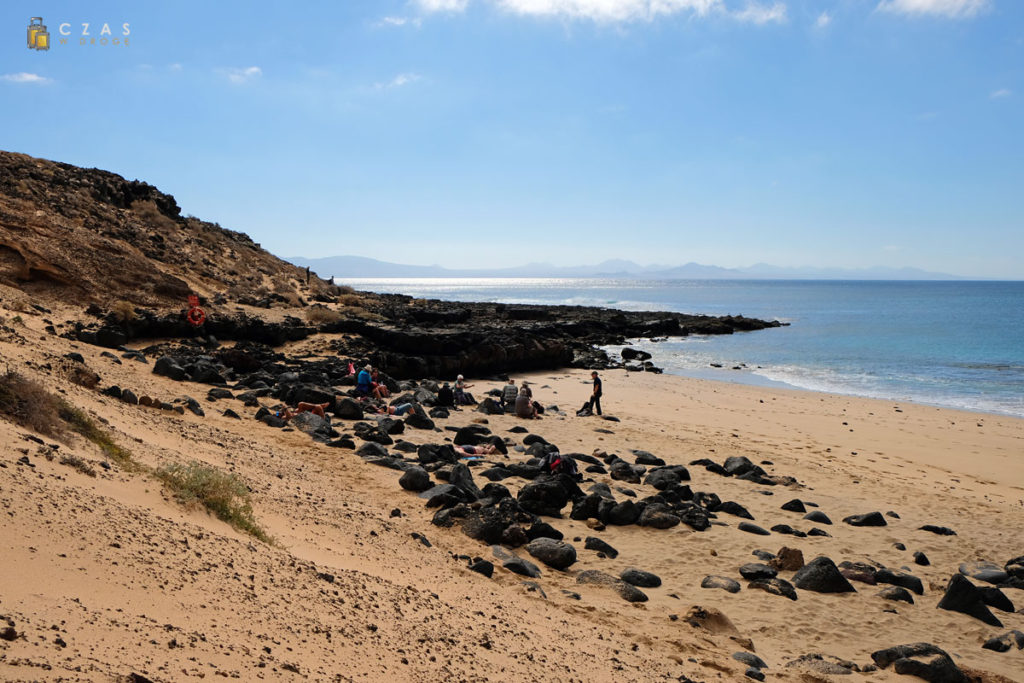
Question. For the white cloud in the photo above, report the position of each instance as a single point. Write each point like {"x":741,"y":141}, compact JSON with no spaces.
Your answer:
{"x":242,"y":75}
{"x":441,"y":5}
{"x":608,"y":10}
{"x":398,"y":81}
{"x":388,"y":22}
{"x":823,"y":20}
{"x":1001,"y":93}
{"x":754,"y":11}
{"x":954,"y":9}
{"x":23,"y":77}
{"x":174,"y":67}
{"x":757,"y":13}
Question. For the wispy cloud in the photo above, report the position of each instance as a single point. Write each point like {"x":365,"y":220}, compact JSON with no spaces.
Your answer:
{"x":611,"y":11}
{"x":24,"y":77}
{"x":823,"y":20}
{"x":398,"y":81}
{"x":389,"y":22}
{"x":954,"y":9}
{"x":441,"y":5}
{"x":757,"y":13}
{"x":1001,"y":93}
{"x":242,"y":74}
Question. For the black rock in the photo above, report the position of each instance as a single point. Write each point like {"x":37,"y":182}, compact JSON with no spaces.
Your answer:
{"x":431,"y":452}
{"x":598,"y":578}
{"x":750,"y":659}
{"x":638,"y":577}
{"x":859,"y":571}
{"x":619,"y":514}
{"x":645,"y":458}
{"x":658,"y":516}
{"x":940,"y":530}
{"x":518,"y":565}
{"x":482,"y":567}
{"x":738,"y":465}
{"x":867,"y":519}
{"x":984,"y":571}
{"x":818,"y":517}
{"x":795,"y":505}
{"x":921,"y":559}
{"x":660,"y":479}
{"x":372,"y":449}
{"x":753,"y":673}
{"x":753,"y":529}
{"x":623,"y":471}
{"x":964,"y":597}
{"x":415,"y":479}
{"x":901,"y":579}
{"x":167,"y":367}
{"x":514,"y":536}
{"x":232,"y":414}
{"x":594,"y":543}
{"x":822,"y":576}
{"x":996,"y":599}
{"x":439,"y":413}
{"x":735,"y":509}
{"x":883,"y":658}
{"x":818,"y":532}
{"x":344,"y":442}
{"x":1005,"y":641}
{"x":755,"y":571}
{"x":556,"y":554}
{"x":463,"y":478}
{"x":896,"y":593}
{"x":544,"y":496}
{"x":543,"y":530}
{"x":787,"y":529}
{"x":934,"y":669}
{"x":723,"y":582}
{"x":471,"y":435}
{"x":775,"y":586}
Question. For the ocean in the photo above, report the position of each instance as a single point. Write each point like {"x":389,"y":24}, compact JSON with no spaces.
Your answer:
{"x":950,"y":344}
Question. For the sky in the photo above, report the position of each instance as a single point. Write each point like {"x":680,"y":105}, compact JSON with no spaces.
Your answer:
{"x":465,"y":133}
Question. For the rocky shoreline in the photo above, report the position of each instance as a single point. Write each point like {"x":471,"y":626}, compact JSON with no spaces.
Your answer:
{"x":409,"y":338}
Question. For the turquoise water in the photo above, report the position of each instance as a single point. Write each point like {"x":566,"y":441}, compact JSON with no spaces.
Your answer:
{"x":953,"y":344}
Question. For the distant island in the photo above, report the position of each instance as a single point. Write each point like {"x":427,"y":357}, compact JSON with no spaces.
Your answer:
{"x":362,"y":267}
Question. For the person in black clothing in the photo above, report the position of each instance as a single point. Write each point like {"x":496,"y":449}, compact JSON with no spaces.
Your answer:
{"x":595,"y":398}
{"x":445,"y":396}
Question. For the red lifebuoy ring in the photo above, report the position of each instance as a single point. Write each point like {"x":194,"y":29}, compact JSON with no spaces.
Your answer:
{"x":195,"y":316}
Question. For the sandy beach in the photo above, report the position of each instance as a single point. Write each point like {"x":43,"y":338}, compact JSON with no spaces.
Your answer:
{"x":109,"y":576}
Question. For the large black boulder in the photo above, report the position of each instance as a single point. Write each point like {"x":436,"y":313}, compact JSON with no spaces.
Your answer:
{"x":169,"y":367}
{"x":822,"y":576}
{"x":415,"y":479}
{"x":544,"y":496}
{"x":641,"y":578}
{"x":964,"y":597}
{"x":556,"y":554}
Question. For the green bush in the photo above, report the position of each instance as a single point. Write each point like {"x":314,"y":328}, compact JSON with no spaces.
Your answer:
{"x":223,"y":494}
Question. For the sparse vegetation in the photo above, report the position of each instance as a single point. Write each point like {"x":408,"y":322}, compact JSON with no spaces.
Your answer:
{"x":123,"y":311}
{"x":223,"y":494}
{"x":28,"y":404}
{"x":72,"y":460}
{"x":81,"y":423}
{"x":344,"y":289}
{"x":319,"y":315}
{"x":350,"y":300}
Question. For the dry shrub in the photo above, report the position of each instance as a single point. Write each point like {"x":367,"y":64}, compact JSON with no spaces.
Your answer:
{"x":223,"y":494}
{"x":27,"y":403}
{"x":319,"y":315}
{"x":350,"y":300}
{"x":79,"y":373}
{"x":344,"y":289}
{"x":293,"y":299}
{"x":83,"y":424}
{"x":72,"y":460}
{"x":123,"y":311}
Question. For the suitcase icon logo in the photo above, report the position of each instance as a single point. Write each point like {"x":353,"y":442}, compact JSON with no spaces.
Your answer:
{"x":38,"y":36}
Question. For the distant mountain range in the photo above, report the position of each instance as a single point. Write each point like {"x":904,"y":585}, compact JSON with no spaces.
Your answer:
{"x":359,"y":266}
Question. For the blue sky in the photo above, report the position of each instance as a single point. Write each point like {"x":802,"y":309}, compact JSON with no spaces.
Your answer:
{"x":846,"y":133}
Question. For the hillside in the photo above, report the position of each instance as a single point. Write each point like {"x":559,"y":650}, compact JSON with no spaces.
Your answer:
{"x":92,"y":236}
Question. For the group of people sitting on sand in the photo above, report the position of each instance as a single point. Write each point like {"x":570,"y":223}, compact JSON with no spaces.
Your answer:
{"x":371,"y":392}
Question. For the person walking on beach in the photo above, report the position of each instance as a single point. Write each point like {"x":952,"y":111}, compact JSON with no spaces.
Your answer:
{"x":595,"y":397}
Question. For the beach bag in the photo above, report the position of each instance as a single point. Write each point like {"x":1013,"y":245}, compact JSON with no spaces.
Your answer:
{"x":584,"y":411}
